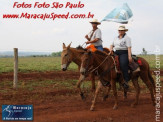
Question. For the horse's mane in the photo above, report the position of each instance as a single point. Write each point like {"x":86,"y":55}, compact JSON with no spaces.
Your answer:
{"x":78,"y":49}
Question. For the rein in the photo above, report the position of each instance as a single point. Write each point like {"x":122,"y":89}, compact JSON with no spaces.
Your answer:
{"x":101,"y":75}
{"x":101,"y":64}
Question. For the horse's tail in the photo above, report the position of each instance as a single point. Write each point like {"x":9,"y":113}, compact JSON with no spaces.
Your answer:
{"x":151,"y":79}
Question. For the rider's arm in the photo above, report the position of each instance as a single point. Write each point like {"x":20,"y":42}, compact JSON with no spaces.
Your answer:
{"x":97,"y":35}
{"x":93,"y":41}
{"x":111,"y":48}
{"x":129,"y":54}
{"x":128,"y":44}
{"x":87,"y":37}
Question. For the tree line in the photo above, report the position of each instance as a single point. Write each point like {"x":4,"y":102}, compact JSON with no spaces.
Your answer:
{"x":53,"y":54}
{"x":58,"y":54}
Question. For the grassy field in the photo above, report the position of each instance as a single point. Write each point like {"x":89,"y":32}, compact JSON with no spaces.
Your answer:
{"x":33,"y":64}
{"x":151,"y":59}
{"x":42,"y":64}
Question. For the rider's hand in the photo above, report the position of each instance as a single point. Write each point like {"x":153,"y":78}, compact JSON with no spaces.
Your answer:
{"x":87,"y":42}
{"x":111,"y":51}
{"x":86,"y":36}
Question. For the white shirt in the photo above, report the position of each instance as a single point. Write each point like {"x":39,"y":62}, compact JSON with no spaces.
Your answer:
{"x":97,"y":34}
{"x":122,"y":44}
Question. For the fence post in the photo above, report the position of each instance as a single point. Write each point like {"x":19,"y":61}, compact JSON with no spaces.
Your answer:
{"x":15,"y":68}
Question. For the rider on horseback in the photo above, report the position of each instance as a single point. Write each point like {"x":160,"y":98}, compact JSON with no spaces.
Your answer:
{"x":122,"y":45}
{"x":94,"y":36}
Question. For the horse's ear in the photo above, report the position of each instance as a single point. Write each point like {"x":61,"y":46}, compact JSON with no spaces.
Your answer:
{"x":64,"y":46}
{"x":69,"y":45}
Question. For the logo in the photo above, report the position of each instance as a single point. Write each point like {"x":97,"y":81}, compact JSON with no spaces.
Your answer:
{"x":17,"y":112}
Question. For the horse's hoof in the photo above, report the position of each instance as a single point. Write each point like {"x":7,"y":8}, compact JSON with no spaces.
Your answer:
{"x":111,"y":119}
{"x":92,"y":109}
{"x":82,"y":96}
{"x":115,"y":107}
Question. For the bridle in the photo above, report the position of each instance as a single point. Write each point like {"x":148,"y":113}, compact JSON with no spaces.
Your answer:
{"x":69,"y":61}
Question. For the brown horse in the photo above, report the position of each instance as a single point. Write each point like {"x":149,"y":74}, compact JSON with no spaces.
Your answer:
{"x":105,"y":65}
{"x":74,"y":55}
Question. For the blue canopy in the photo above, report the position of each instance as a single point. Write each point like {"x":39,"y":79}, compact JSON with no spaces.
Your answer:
{"x":120,"y":15}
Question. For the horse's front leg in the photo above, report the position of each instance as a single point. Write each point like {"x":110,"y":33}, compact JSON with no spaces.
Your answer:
{"x":95,"y":96}
{"x":81,"y":79}
{"x":107,"y":95}
{"x":113,"y":84}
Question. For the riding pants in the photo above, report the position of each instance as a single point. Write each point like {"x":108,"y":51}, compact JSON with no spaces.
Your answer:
{"x":124,"y":62}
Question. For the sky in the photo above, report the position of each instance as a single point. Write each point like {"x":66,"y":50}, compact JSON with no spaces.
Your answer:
{"x":145,"y":27}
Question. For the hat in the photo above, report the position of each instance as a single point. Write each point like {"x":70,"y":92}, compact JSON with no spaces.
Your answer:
{"x":95,"y":21}
{"x":123,"y":28}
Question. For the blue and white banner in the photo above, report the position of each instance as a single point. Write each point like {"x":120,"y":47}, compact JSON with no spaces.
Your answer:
{"x":17,"y":112}
{"x":120,"y":15}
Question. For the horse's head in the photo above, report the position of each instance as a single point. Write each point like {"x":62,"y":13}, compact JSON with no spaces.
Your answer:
{"x":66,"y":57}
{"x":86,"y":62}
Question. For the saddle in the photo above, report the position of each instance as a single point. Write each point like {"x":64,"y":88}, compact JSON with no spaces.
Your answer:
{"x":132,"y":66}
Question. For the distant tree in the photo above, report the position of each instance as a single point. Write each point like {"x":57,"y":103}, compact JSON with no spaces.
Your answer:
{"x":144,"y":52}
{"x":56,"y":54}
{"x":40,"y":55}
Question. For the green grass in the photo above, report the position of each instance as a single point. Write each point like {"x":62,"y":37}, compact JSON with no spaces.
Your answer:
{"x":42,"y":64}
{"x":33,"y":64}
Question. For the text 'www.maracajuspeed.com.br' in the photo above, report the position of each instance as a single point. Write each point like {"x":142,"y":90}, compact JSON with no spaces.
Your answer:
{"x":45,"y":16}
